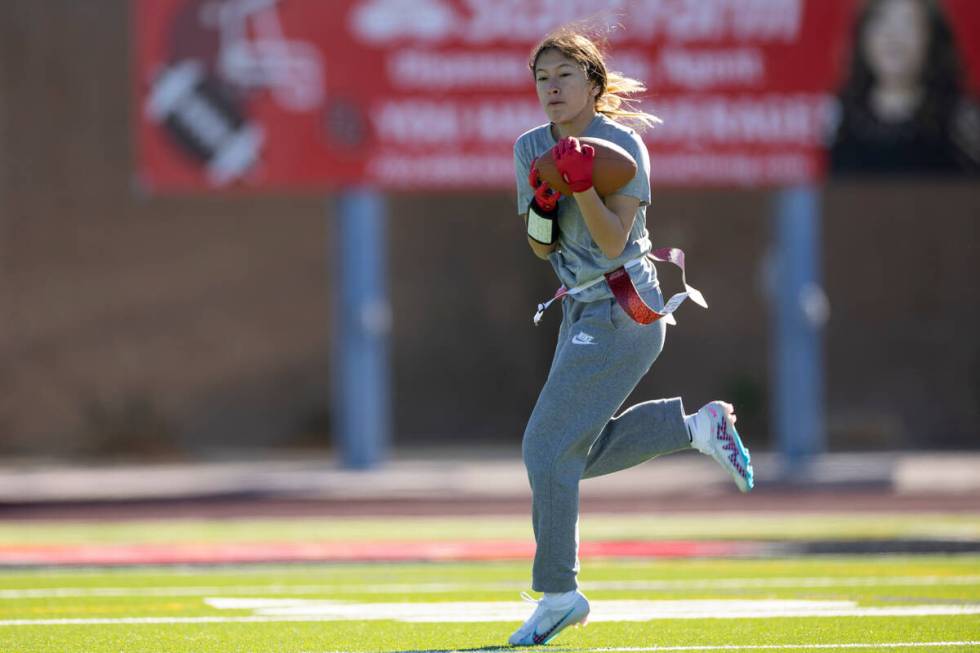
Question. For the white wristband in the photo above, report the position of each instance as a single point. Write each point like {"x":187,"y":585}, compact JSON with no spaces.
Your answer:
{"x":541,"y":229}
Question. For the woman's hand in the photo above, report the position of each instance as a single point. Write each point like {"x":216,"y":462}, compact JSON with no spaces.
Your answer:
{"x":545,"y":196}
{"x":574,"y":162}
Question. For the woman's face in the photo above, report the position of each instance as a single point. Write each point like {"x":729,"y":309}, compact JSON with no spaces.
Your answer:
{"x":895,"y":41}
{"x":563,"y":89}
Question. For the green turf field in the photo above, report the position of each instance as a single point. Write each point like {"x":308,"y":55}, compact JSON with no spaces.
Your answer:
{"x":859,"y":603}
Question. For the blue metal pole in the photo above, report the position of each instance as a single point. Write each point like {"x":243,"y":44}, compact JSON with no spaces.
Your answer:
{"x":361,"y":377}
{"x":801,"y":309}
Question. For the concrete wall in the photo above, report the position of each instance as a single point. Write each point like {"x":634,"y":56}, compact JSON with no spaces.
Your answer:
{"x":172,"y":325}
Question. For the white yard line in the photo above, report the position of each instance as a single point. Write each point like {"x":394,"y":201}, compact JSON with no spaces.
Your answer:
{"x":305,"y":610}
{"x":434,"y":588}
{"x":769,"y":647}
{"x":724,"y":647}
{"x":820,"y":581}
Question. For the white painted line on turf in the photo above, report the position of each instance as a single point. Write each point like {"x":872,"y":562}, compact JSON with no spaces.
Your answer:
{"x":480,"y":611}
{"x":764,"y":647}
{"x":288,"y":610}
{"x":107,"y":621}
{"x":435,"y":588}
{"x":721,"y":647}
{"x":787,"y":582}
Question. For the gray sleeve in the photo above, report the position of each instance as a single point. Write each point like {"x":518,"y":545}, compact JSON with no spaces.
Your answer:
{"x":639,"y":185}
{"x":522,"y":168}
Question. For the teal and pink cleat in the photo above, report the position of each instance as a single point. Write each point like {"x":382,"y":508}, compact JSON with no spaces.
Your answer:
{"x":713,"y":433}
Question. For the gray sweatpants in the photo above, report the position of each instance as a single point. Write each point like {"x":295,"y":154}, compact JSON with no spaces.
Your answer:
{"x":601,"y":355}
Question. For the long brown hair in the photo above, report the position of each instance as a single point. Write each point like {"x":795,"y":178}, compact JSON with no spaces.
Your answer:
{"x":614,"y":88}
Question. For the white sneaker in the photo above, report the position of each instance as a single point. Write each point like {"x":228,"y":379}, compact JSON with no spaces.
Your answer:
{"x":550,"y":618}
{"x":713,"y":433}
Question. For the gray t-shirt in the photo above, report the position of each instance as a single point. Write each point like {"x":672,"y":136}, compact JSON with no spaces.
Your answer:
{"x":578,"y":259}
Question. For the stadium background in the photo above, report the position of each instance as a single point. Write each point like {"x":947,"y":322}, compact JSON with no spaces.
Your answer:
{"x":162,"y":327}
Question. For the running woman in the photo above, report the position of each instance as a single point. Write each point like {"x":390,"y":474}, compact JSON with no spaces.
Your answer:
{"x":603,"y":350}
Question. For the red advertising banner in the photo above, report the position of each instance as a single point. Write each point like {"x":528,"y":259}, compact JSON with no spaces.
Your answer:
{"x":431,"y":94}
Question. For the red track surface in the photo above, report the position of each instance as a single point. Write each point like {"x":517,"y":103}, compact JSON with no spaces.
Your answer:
{"x":458,"y":550}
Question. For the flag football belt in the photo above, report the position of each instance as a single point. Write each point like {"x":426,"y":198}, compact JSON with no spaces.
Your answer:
{"x":621,"y":285}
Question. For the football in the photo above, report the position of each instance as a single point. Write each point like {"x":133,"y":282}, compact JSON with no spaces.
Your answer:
{"x":613,"y":168}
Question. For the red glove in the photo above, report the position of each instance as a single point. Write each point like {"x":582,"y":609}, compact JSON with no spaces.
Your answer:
{"x":574,"y":162}
{"x":545,"y":196}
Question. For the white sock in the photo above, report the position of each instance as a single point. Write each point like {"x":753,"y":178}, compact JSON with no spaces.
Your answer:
{"x":559,"y":598}
{"x":697,"y":436}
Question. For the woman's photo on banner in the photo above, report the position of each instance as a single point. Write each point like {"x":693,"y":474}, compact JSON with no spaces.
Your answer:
{"x":904,"y":107}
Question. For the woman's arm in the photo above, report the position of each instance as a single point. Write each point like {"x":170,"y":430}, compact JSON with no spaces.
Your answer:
{"x":609,"y":222}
